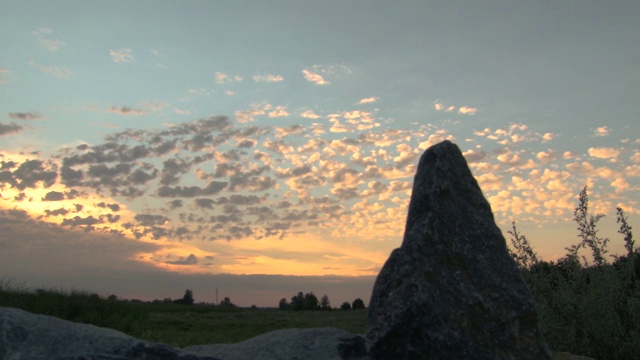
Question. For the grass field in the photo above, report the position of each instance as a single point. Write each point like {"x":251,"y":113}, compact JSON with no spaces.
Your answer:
{"x":173,"y":324}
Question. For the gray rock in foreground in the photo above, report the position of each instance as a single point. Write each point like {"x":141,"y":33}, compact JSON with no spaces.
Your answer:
{"x":451,"y":291}
{"x":30,"y":336}
{"x":308,"y":344}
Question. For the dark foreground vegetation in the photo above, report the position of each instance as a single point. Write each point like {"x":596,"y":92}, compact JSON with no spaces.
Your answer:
{"x":587,"y":306}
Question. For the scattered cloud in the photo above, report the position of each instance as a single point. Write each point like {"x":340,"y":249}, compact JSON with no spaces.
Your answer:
{"x":2,"y":72}
{"x":124,"y":55}
{"x":548,"y":137}
{"x":44,"y":39}
{"x":368,"y":100}
{"x":268,"y":78}
{"x":59,"y":72}
{"x":278,"y":111}
{"x":309,"y":114}
{"x":9,"y":128}
{"x":219,"y":179}
{"x":463,"y":110}
{"x":467,"y":110}
{"x":604,"y":152}
{"x":222,"y":78}
{"x":189,"y":260}
{"x":26,"y":116}
{"x":126,"y":111}
{"x":314,"y":77}
{"x":602,"y":131}
{"x":51,"y":44}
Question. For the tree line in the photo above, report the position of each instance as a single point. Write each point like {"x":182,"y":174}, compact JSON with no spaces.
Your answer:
{"x":310,"y":302}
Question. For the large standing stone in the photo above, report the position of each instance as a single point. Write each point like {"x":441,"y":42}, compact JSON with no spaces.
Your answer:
{"x":451,"y":291}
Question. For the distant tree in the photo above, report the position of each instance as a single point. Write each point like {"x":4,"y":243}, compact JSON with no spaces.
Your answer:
{"x":310,"y":301}
{"x":325,"y":304}
{"x":253,"y":307}
{"x":283,"y":304}
{"x":297,"y":302}
{"x":227,"y":303}
{"x":345,"y":306}
{"x":167,"y":300}
{"x":112,"y":297}
{"x":357,"y":304}
{"x":187,"y":299}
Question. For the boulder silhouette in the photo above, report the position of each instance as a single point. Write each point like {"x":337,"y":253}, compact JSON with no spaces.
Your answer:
{"x":451,"y":291}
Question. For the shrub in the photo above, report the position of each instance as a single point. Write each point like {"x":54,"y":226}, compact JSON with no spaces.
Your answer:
{"x":587,"y":308}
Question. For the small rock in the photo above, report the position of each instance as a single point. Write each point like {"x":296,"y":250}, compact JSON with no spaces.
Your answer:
{"x":451,"y":291}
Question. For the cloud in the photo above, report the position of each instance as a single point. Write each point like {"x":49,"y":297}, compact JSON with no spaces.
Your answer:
{"x":548,"y":137}
{"x":9,"y":128}
{"x":245,"y":116}
{"x":189,"y":260}
{"x":222,"y":78}
{"x":51,"y":44}
{"x":218,"y":179}
{"x":464,"y":110}
{"x":314,"y":77}
{"x":124,"y":55}
{"x":279,"y":111}
{"x":2,"y":72}
{"x":604,"y":152}
{"x":547,"y":156}
{"x":126,"y":111}
{"x":43,"y":37}
{"x":473,"y":156}
{"x":601,"y":131}
{"x":309,"y":114}
{"x":26,"y":116}
{"x":268,"y":78}
{"x":368,"y":100}
{"x":59,"y":72}
{"x":54,"y":196}
{"x":467,"y":110}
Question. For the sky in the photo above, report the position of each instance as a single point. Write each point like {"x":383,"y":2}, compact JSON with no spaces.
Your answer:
{"x":268,"y":147}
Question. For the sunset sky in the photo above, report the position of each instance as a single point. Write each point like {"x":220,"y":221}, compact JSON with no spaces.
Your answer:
{"x":269,"y":147}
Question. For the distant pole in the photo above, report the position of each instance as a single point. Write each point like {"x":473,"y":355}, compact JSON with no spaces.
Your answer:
{"x":216,"y":296}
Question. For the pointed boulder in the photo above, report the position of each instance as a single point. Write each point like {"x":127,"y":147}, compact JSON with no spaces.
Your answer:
{"x":451,"y":291}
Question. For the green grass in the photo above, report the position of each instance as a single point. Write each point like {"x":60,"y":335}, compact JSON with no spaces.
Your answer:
{"x":77,"y":306}
{"x":173,"y":324}
{"x":219,"y":326}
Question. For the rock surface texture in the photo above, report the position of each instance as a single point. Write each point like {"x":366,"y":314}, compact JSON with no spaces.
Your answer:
{"x":29,"y":336}
{"x":451,"y":291}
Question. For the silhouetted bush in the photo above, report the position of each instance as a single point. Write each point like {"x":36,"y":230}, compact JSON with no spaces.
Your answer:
{"x":586,"y":308}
